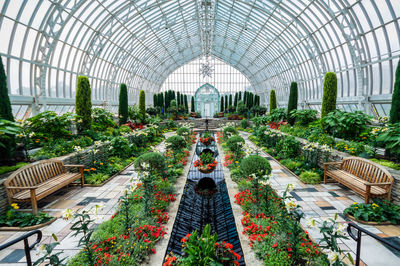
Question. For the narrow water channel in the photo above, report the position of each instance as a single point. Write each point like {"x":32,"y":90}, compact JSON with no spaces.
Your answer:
{"x":196,"y":211}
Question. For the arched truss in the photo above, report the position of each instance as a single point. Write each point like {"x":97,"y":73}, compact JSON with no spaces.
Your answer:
{"x":47,"y":43}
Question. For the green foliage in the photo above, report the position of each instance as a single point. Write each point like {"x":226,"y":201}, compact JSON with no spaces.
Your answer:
{"x":379,"y":211}
{"x":395,"y":108}
{"x":258,"y":110}
{"x":304,"y":117}
{"x":5,"y":105}
{"x":272,"y":101}
{"x":175,"y":143}
{"x":380,"y":161}
{"x":255,"y":164}
{"x":242,"y":109}
{"x":102,"y":119}
{"x":391,"y":139}
{"x":120,"y":147}
{"x":352,"y":147}
{"x":8,"y":131}
{"x":222,"y":107}
{"x":347,"y":125}
{"x":186,"y":104}
{"x":230,"y":131}
{"x":235,"y":144}
{"x":235,"y":102}
{"x":183,"y":131}
{"x":278,"y":114}
{"x":142,"y":104}
{"x":291,"y":164}
{"x":155,"y":160}
{"x":310,"y":177}
{"x":329,"y":94}
{"x":83,"y":103}
{"x":123,"y":104}
{"x":192,"y":105}
{"x":244,"y":123}
{"x":50,"y":125}
{"x":230,"y":99}
{"x":6,"y":169}
{"x":226,"y":103}
{"x":288,"y":147}
{"x":293,"y":99}
{"x":15,"y":218}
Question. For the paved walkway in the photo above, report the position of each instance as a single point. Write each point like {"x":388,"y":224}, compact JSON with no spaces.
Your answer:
{"x":74,"y":198}
{"x":323,"y":201}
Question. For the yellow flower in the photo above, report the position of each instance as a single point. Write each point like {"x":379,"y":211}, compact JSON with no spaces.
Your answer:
{"x":101,"y":163}
{"x":355,"y":203}
{"x":375,"y":205}
{"x":15,"y":206}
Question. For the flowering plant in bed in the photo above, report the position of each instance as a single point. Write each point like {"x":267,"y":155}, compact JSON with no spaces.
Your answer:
{"x":15,"y":218}
{"x":206,"y":163}
{"x":380,"y":211}
{"x":207,"y":139}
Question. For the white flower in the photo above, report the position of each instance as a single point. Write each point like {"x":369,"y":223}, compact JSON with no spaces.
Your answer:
{"x":333,"y":256}
{"x":95,"y":151}
{"x":40,"y":251}
{"x":339,"y":229}
{"x":145,"y":165}
{"x":97,"y":143}
{"x":32,"y":134}
{"x":311,"y":222}
{"x":78,"y":148}
{"x":68,"y":214}
{"x":290,"y":204}
{"x":80,"y":121}
{"x":290,"y":187}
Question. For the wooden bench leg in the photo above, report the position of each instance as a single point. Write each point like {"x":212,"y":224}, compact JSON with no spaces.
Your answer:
{"x":367,"y":194}
{"x":82,"y":179}
{"x":34,"y":202}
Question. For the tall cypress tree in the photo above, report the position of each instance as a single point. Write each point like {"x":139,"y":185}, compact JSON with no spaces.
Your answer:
{"x":272,"y":100}
{"x":226,"y":103}
{"x":186,"y":104}
{"x":292,"y":103}
{"x":192,"y":105}
{"x":123,"y":104}
{"x":329,"y":94}
{"x":240,"y":96}
{"x":235,"y":101}
{"x":182,"y":99}
{"x":83,"y":103}
{"x":395,"y":109}
{"x":230,"y":99}
{"x":178,"y":95}
{"x":245,"y":98}
{"x":142,"y":104}
{"x":162,"y":102}
{"x":222,"y":104}
{"x":5,"y":105}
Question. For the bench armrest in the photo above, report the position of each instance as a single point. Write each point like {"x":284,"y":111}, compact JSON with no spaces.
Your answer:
{"x":13,"y":187}
{"x":378,"y":184}
{"x":74,"y":165}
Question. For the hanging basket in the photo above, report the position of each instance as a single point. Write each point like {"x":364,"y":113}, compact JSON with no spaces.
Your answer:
{"x":205,"y":170}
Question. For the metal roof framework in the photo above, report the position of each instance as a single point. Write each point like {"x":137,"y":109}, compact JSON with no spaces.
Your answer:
{"x":47,"y":43}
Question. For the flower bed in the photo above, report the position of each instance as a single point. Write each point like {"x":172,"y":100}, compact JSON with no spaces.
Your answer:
{"x":272,"y":221}
{"x":129,"y":237}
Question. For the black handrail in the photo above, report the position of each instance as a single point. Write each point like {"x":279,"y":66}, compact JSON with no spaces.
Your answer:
{"x":27,"y":247}
{"x":357,"y":238}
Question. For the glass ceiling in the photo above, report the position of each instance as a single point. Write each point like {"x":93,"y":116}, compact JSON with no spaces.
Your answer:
{"x":46,"y":44}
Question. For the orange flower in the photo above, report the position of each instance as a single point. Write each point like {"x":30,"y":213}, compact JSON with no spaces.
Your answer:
{"x":93,"y":169}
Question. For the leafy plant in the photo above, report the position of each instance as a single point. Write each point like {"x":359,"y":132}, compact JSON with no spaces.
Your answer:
{"x":50,"y":125}
{"x":120,"y":147}
{"x":346,"y":125}
{"x":142,"y":104}
{"x":290,"y":164}
{"x":230,"y":131}
{"x":235,"y":144}
{"x":176,"y":143}
{"x":15,"y":218}
{"x":379,"y":211}
{"x":244,"y":123}
{"x":102,"y":119}
{"x":310,"y":177}
{"x":255,"y":164}
{"x":329,"y":94}
{"x":154,"y":160}
{"x":123,"y":104}
{"x":304,"y":117}
{"x":272,"y":100}
{"x":278,"y":114}
{"x":292,"y":103}
{"x":183,"y":132}
{"x":288,"y":147}
{"x":242,"y":109}
{"x":46,"y":250}
{"x":395,"y":107}
{"x":83,"y":103}
{"x":391,"y":139}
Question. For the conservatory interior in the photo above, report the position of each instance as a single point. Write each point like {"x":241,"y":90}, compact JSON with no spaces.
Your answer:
{"x":204,"y":132}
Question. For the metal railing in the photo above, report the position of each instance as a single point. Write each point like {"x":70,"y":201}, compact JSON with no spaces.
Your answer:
{"x":357,"y":238}
{"x":27,"y":247}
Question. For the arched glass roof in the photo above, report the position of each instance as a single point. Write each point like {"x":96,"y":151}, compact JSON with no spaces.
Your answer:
{"x":47,"y":43}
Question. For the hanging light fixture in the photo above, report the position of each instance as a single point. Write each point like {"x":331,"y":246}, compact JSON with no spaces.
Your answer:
{"x":206,"y":14}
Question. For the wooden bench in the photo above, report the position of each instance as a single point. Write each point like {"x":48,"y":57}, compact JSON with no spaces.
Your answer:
{"x":363,"y":176}
{"x":38,"y":180}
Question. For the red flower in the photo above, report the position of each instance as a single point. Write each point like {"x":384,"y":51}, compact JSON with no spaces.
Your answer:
{"x":275,"y":245}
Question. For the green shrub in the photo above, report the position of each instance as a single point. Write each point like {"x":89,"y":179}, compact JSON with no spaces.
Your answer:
{"x":222,"y":107}
{"x":102,"y":119}
{"x":5,"y":105}
{"x":242,"y":109}
{"x":142,"y":104}
{"x":175,"y":143}
{"x":235,"y":144}
{"x":96,"y":178}
{"x":183,"y":131}
{"x":123,"y":104}
{"x":310,"y":177}
{"x":391,"y":139}
{"x":155,"y":160}
{"x":230,"y":131}
{"x":186,"y":104}
{"x":379,"y":211}
{"x":226,"y":103}
{"x":49,"y":124}
{"x":380,"y":161}
{"x":244,"y":123}
{"x":290,"y":164}
{"x":272,"y":101}
{"x":255,"y":164}
{"x":395,"y":108}
{"x":293,"y":99}
{"x":278,"y":114}
{"x":288,"y":147}
{"x":353,"y":148}
{"x":6,"y":169}
{"x":329,"y":94}
{"x":120,"y":147}
{"x":304,"y":117}
{"x":83,"y":103}
{"x":192,"y":105}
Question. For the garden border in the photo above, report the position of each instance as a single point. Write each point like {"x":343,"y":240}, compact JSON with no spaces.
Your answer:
{"x":27,"y":228}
